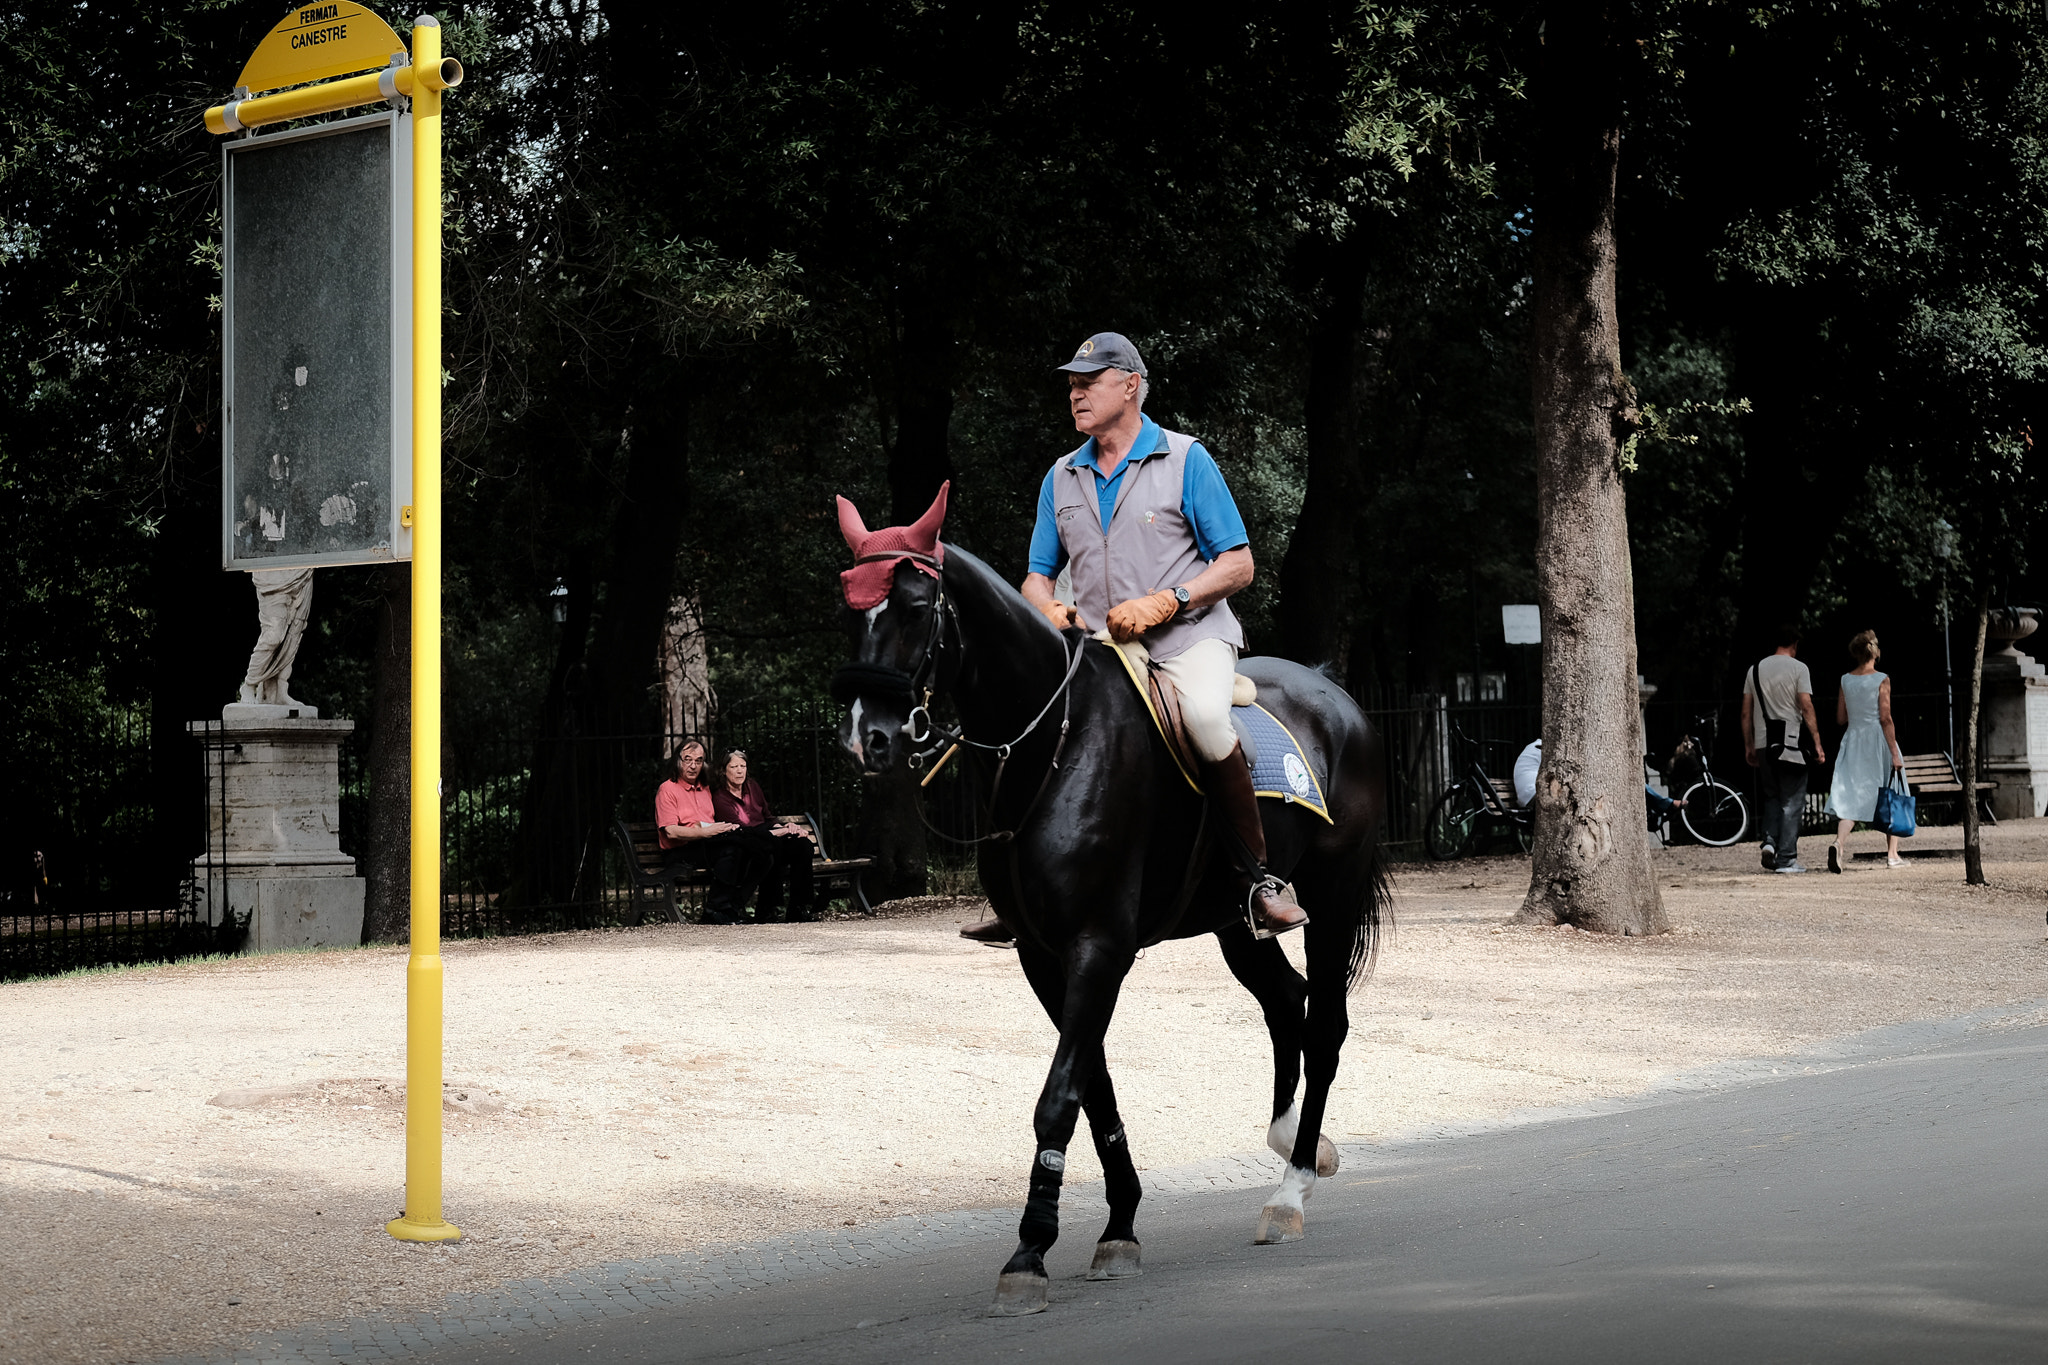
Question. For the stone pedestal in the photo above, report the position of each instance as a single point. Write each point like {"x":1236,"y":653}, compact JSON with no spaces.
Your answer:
{"x":2015,"y":707}
{"x":273,"y":821}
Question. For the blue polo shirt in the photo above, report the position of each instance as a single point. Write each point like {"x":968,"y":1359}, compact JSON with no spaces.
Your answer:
{"x":1204,"y":500}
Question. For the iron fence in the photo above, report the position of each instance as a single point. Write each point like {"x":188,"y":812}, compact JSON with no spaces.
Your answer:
{"x":100,"y":840}
{"x":86,"y":818}
{"x":528,"y":821}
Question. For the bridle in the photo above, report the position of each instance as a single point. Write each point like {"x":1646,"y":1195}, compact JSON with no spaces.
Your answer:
{"x":853,"y":678}
{"x":857,"y":676}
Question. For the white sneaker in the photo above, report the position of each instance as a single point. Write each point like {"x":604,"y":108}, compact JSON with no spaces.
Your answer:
{"x":1894,"y":862}
{"x":1789,"y":869}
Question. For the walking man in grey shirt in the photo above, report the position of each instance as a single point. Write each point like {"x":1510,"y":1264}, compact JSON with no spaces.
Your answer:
{"x":1777,"y":696}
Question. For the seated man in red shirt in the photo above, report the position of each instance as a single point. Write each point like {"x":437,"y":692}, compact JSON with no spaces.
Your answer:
{"x":691,"y":832}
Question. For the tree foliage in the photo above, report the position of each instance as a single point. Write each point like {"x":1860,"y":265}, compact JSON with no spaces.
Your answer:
{"x":708,"y":268}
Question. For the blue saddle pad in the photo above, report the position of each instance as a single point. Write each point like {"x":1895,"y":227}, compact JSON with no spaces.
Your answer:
{"x":1282,"y":770}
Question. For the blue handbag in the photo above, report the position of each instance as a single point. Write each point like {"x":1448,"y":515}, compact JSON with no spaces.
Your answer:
{"x":1894,"y":813}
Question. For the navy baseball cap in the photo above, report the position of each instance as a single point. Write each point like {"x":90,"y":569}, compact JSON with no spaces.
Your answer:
{"x":1105,"y":351}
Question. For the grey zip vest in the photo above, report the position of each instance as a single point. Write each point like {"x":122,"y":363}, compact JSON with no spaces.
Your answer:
{"x":1148,"y":545}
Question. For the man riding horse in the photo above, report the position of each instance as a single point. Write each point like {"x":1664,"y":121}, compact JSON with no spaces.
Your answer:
{"x":1142,"y":517}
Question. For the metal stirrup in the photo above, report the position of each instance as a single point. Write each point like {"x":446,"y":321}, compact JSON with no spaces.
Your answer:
{"x":1265,"y":881}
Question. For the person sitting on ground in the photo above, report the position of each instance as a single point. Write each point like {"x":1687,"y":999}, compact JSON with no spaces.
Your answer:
{"x":781,"y":850}
{"x":688,"y":830}
{"x":1869,"y":755}
{"x":1530,"y":761}
{"x":1527,"y":763}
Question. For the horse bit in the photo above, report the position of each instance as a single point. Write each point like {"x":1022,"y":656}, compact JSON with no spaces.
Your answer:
{"x":919,"y":727}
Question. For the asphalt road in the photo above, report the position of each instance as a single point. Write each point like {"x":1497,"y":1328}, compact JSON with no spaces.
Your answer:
{"x":1893,"y":1210}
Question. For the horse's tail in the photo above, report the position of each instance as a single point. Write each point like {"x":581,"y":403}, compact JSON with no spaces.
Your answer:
{"x":1375,"y":911}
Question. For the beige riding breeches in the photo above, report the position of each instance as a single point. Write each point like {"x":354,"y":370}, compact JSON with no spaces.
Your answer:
{"x":1204,"y":674}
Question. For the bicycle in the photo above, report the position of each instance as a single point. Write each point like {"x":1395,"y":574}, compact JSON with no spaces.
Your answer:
{"x":1714,"y":813}
{"x":1475,"y":801}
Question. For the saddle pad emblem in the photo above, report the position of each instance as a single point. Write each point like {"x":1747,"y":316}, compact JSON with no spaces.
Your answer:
{"x":1297,"y":775}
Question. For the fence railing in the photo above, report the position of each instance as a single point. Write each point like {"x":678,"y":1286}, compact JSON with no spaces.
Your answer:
{"x":528,"y":819}
{"x":90,"y":831}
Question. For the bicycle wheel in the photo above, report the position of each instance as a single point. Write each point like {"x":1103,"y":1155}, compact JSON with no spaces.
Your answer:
{"x":1452,"y":823}
{"x":1714,"y":814}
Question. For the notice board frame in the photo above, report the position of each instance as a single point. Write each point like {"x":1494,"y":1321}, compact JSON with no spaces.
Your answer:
{"x":396,"y":543}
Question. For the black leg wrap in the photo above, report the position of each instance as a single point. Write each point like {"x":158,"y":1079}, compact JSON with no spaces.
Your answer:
{"x":1120,"y":1181}
{"x":1040,"y":1226}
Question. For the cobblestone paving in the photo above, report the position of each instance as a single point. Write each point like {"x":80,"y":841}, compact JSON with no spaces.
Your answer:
{"x":627,"y":1287}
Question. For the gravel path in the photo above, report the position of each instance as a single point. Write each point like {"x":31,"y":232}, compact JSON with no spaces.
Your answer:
{"x":194,"y":1156}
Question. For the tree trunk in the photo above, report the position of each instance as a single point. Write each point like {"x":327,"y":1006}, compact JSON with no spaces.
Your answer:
{"x":1319,"y":577}
{"x":602,"y":687}
{"x":685,"y":670}
{"x":927,"y":366}
{"x":1591,"y":863}
{"x":892,"y":833}
{"x":387,"y":842}
{"x":1973,"y":846}
{"x":920,"y":459}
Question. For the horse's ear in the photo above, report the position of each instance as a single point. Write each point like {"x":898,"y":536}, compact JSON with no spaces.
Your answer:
{"x":851,"y":526}
{"x":925,"y":530}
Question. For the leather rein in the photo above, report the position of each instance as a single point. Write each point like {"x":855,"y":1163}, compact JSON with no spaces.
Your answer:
{"x":919,"y":726}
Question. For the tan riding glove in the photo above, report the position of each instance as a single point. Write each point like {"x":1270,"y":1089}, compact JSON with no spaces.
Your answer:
{"x":1061,"y":615}
{"x":1129,"y":620}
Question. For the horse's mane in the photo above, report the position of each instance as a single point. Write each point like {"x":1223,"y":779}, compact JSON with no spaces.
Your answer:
{"x":998,"y":590}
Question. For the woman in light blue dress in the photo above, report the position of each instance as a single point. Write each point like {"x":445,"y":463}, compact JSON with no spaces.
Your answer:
{"x":1869,"y":751}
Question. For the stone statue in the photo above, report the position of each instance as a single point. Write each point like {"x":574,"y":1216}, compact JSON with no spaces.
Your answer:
{"x":284,"y":599}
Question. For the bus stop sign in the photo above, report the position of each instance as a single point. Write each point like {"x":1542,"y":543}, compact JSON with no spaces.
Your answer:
{"x":316,"y":345}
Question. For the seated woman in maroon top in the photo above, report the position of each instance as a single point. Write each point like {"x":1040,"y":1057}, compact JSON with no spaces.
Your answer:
{"x":782,"y":851}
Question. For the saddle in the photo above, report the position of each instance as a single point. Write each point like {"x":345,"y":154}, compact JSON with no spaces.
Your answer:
{"x":1280,"y":770}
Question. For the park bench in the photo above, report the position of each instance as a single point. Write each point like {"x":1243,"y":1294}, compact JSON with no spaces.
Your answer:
{"x":639,"y":842}
{"x":1936,"y":775}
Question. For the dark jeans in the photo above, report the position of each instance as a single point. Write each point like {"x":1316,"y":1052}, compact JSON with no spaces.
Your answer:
{"x":728,"y":858}
{"x":776,"y":860}
{"x":1783,"y":786}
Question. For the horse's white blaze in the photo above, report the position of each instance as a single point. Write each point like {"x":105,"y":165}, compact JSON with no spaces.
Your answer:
{"x":853,"y":732}
{"x":877,"y":610}
{"x":1295,"y":1188}
{"x":1280,"y":1134}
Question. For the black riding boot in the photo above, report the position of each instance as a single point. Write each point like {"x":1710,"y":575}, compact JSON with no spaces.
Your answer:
{"x":1270,"y":902}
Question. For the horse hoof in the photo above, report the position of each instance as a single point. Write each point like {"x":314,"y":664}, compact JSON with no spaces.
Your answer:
{"x":1326,"y":1155}
{"x":1115,"y":1261}
{"x":1019,"y":1293}
{"x":1278,"y":1223}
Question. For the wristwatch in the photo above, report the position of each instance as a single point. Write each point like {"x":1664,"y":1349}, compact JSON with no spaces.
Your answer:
{"x":1181,"y":596}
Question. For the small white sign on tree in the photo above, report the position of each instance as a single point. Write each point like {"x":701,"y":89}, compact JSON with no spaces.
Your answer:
{"x":1522,"y":624}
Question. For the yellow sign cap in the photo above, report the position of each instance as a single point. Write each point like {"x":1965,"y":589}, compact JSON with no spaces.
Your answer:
{"x":313,"y":42}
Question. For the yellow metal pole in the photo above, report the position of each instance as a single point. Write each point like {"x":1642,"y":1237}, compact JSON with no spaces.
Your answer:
{"x":422,"y":1220}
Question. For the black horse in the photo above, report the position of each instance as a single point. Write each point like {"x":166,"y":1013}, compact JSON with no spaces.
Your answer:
{"x":1098,"y":847}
